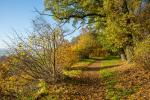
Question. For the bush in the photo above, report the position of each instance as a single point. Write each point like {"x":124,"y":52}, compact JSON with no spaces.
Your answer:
{"x":43,"y":54}
{"x":142,"y":53}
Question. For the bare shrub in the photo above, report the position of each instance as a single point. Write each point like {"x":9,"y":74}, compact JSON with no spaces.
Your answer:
{"x":43,"y":55}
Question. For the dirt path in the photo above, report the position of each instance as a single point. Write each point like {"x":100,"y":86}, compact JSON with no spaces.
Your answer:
{"x":88,"y":85}
{"x":92,"y":71}
{"x":129,"y":82}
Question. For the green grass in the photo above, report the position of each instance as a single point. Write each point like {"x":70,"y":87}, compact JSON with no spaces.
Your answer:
{"x":106,"y":58}
{"x":106,"y":73}
{"x":107,"y":63}
{"x":84,"y":62}
{"x":110,"y":61}
{"x":110,"y":79}
{"x":80,"y":64}
{"x":113,"y":92}
{"x":72,"y":73}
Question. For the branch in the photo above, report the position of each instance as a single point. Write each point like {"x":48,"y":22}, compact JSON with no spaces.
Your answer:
{"x":72,"y":15}
{"x":82,"y":16}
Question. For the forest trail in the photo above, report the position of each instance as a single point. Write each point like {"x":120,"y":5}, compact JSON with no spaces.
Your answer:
{"x":91,"y":72}
{"x":105,"y":80}
{"x":88,"y":84}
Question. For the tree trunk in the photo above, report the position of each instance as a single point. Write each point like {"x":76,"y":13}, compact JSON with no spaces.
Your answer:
{"x":123,"y":55}
{"x":129,"y":53}
{"x":54,"y":58}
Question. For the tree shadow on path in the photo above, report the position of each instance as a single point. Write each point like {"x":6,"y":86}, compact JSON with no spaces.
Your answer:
{"x":94,"y":68}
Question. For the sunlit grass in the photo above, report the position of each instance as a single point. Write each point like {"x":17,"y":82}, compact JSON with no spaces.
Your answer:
{"x":72,"y":73}
{"x":83,"y":63}
{"x":110,"y":78}
{"x":106,"y":63}
{"x":110,"y":61}
{"x":106,"y":73}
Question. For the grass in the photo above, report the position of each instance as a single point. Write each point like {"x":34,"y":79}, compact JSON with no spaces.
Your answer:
{"x":106,"y":61}
{"x":72,"y":73}
{"x":106,"y":74}
{"x":112,"y":91}
{"x":84,"y":62}
{"x":106,"y":58}
{"x":110,"y":79}
{"x":110,"y":61}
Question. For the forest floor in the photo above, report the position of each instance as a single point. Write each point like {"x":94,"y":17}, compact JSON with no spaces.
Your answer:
{"x":103,"y":79}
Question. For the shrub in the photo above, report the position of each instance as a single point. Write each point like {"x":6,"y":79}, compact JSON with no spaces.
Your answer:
{"x":142,"y":53}
{"x":44,"y":53}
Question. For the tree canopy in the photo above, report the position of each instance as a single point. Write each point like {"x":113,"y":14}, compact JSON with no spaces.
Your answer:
{"x":118,"y":22}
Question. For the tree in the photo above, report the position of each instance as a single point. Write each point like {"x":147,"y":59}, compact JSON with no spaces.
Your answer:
{"x":117,"y":18}
{"x":77,"y":10}
{"x":85,"y":44}
{"x":96,"y":12}
{"x":92,"y":11}
{"x":42,"y":55}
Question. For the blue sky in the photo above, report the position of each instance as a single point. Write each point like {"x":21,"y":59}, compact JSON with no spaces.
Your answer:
{"x":17,"y":14}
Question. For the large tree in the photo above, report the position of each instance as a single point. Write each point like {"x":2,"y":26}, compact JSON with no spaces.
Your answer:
{"x":116,"y":18}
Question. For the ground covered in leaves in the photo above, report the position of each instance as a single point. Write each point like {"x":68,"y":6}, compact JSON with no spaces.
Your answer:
{"x":108,"y":79}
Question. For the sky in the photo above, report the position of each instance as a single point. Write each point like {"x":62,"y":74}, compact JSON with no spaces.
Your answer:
{"x":17,"y":15}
